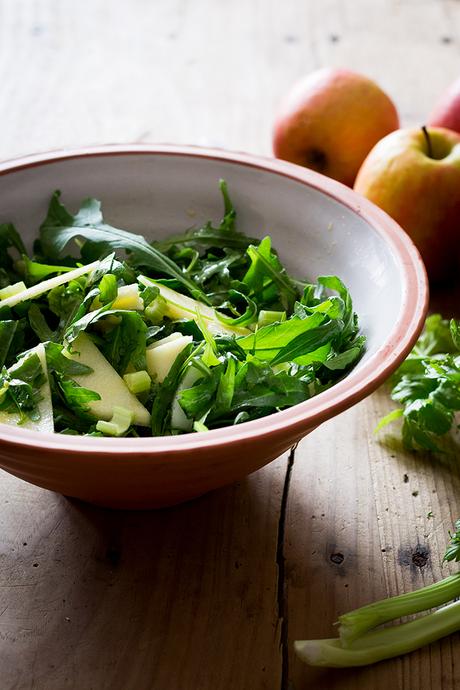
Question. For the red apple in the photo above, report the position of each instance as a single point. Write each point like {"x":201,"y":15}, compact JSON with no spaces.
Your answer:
{"x":446,"y":112}
{"x":330,"y":121}
{"x":414,"y":175}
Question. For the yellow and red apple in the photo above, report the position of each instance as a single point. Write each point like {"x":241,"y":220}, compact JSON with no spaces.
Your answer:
{"x":446,"y":112}
{"x":330,"y":121}
{"x":414,"y":175}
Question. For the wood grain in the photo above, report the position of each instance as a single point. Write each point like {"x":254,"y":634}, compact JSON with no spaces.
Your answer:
{"x":210,"y":595}
{"x":366,"y":520}
{"x":181,"y":598}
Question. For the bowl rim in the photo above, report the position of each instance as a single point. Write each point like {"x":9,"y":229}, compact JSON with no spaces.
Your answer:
{"x":305,"y":416}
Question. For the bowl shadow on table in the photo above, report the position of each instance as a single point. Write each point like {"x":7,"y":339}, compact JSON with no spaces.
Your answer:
{"x":170,"y":586}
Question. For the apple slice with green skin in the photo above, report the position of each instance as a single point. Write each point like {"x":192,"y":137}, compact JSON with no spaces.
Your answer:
{"x":180,"y":306}
{"x":45,"y":407}
{"x":106,"y":381}
{"x":45,"y":285}
{"x":161,"y":355}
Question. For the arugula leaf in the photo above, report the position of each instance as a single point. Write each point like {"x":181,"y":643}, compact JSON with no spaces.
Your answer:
{"x":17,"y":343}
{"x":20,"y":386}
{"x":60,"y":227}
{"x":256,"y":274}
{"x":65,"y":420}
{"x":196,"y":401}
{"x":7,"y":332}
{"x":247,"y":317}
{"x":454,"y":327}
{"x":39,"y":324}
{"x":266,"y":265}
{"x":110,"y":264}
{"x":309,"y":341}
{"x":214,"y":271}
{"x":436,"y":338}
{"x":126,"y":344}
{"x":347,"y":357}
{"x":89,"y":318}
{"x":63,"y":300}
{"x":257,"y":385}
{"x":269,"y":340}
{"x":427,"y":385}
{"x":9,"y":239}
{"x":453,"y":550}
{"x":148,"y":293}
{"x":77,"y":397}
{"x":226,"y":388}
{"x":57,"y":362}
{"x":349,"y":317}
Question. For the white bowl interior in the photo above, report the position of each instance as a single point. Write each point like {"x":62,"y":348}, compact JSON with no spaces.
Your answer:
{"x":160,"y":194}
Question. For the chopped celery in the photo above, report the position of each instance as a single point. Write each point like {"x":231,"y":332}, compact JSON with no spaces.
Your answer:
{"x":119,"y":424}
{"x":199,"y":426}
{"x":138,"y":382}
{"x":267,"y":317}
{"x":156,"y":310}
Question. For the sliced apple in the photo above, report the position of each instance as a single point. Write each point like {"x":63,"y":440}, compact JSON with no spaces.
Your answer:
{"x":127,"y":298}
{"x":106,"y":381}
{"x":179,"y":419}
{"x":169,"y":339}
{"x":45,"y":407}
{"x":45,"y":285}
{"x":161,"y":355}
{"x":182,"y":307}
{"x":11,"y":290}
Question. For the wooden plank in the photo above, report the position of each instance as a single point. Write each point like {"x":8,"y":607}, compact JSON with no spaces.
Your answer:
{"x":181,"y":598}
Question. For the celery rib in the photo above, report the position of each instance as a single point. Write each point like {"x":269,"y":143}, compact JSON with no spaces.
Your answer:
{"x":381,"y":644}
{"x":355,"y":623}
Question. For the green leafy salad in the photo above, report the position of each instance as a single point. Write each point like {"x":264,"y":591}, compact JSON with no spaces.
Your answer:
{"x":105,"y":334}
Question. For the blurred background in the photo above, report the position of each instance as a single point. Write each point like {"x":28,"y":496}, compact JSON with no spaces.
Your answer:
{"x":201,"y":71}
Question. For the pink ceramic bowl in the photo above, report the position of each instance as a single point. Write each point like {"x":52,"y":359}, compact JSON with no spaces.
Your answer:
{"x":318,"y":226}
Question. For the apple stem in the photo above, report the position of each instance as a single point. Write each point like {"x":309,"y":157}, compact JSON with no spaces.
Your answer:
{"x":428,"y":141}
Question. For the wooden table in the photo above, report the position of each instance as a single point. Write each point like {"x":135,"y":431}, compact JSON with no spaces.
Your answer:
{"x":211,"y":595}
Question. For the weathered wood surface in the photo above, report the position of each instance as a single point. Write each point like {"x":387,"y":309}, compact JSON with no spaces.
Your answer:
{"x":210,"y":595}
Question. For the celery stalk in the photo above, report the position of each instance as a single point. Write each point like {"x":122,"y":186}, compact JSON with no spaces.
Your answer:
{"x":355,"y":623}
{"x":381,"y":644}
